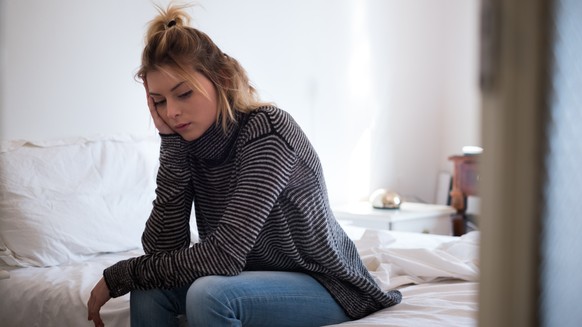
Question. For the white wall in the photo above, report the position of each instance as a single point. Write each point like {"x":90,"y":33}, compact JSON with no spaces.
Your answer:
{"x":385,"y":89}
{"x":67,"y":67}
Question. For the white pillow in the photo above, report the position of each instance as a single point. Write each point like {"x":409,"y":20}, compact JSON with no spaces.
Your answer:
{"x":63,"y":201}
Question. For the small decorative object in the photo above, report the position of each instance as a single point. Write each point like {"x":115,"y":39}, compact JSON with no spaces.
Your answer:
{"x":384,"y":199}
{"x":471,"y":150}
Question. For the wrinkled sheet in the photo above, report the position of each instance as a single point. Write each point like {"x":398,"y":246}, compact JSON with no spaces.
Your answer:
{"x":57,"y":296}
{"x":394,"y":265}
{"x":437,"y":276}
{"x":450,"y":303}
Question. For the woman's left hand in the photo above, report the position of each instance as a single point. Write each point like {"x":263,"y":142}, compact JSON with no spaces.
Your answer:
{"x":99,"y":296}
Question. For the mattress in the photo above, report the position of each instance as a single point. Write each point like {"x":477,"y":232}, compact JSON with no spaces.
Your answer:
{"x":437,"y":275}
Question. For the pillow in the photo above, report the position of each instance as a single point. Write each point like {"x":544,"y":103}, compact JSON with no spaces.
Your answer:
{"x":66,"y":200}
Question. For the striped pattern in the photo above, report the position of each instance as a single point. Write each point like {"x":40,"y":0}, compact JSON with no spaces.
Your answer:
{"x":261,"y":204}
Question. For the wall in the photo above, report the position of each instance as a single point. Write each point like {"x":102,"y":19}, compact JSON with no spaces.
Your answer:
{"x":67,"y":68}
{"x":386,"y":90}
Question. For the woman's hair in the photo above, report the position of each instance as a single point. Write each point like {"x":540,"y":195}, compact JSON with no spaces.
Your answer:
{"x":171,"y":43}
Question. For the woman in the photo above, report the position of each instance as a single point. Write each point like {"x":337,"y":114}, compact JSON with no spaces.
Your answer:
{"x":270,"y":251}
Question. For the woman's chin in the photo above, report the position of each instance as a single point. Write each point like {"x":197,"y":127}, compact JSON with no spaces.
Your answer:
{"x":190,"y":136}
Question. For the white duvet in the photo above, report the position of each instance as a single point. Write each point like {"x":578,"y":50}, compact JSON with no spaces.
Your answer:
{"x":437,"y":276}
{"x":394,"y":264}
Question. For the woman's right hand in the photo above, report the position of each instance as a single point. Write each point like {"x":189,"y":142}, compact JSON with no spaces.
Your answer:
{"x":159,"y":122}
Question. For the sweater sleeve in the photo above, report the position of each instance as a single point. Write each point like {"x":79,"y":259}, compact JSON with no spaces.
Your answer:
{"x":168,"y":225}
{"x":264,"y":165}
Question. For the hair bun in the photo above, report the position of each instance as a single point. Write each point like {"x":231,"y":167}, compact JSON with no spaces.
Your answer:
{"x":174,"y":15}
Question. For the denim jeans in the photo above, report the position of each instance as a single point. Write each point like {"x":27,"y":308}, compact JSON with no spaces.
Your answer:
{"x":253,"y":298}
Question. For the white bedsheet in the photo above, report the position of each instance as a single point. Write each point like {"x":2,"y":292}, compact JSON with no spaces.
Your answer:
{"x":437,"y":276}
{"x":447,"y":304}
{"x":394,"y":264}
{"x":57,"y":296}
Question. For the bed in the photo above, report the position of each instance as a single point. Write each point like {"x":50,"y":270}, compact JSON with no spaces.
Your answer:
{"x":56,"y":239}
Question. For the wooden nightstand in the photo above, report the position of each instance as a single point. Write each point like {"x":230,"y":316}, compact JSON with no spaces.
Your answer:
{"x":465,"y":183}
{"x":411,"y":217}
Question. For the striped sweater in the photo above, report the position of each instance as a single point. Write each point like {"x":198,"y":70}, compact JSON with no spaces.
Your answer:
{"x":260,"y":204}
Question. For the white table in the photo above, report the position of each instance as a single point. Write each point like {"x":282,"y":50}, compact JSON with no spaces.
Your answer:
{"x":411,"y":217}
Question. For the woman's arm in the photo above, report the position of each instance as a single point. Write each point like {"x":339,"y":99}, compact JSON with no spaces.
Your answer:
{"x":264,"y":169}
{"x":168,"y":226}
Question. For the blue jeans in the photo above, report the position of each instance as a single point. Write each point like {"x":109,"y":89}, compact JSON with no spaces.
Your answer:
{"x":253,"y":298}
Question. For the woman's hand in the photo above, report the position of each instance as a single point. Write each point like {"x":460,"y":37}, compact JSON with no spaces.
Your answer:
{"x":99,"y":296}
{"x":160,"y":124}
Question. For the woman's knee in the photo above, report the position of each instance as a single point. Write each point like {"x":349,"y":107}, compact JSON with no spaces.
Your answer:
{"x":206,"y":290}
{"x":208,"y":299}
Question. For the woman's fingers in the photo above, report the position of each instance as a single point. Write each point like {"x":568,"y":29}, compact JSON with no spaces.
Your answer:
{"x":158,"y":121}
{"x":160,"y":124}
{"x":94,"y":313}
{"x":99,"y":296}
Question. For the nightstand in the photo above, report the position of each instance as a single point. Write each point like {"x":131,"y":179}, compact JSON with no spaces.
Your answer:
{"x":465,"y":183}
{"x":411,"y":217}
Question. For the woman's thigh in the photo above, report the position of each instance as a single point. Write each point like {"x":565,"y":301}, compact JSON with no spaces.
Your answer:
{"x":261,"y":298}
{"x":157,"y":307}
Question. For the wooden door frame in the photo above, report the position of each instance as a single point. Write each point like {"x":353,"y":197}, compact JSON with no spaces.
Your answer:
{"x":515,"y":65}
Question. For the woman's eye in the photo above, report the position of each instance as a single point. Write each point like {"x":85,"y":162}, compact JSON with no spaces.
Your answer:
{"x":159,"y":103}
{"x":185,"y":94}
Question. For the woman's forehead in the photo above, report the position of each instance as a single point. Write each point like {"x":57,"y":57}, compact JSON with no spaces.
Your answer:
{"x":168,"y":78}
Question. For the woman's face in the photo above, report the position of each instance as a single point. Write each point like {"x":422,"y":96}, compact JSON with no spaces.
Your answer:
{"x":185,"y":110}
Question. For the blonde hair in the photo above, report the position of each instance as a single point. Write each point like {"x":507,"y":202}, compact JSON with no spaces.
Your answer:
{"x":170,"y":42}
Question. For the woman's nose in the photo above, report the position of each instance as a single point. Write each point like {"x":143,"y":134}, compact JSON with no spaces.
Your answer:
{"x":173,"y":110}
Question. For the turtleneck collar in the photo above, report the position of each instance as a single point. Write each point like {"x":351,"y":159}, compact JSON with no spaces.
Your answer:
{"x":216,"y":142}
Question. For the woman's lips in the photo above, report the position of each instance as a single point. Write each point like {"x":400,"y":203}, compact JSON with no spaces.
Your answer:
{"x":181,"y":126}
